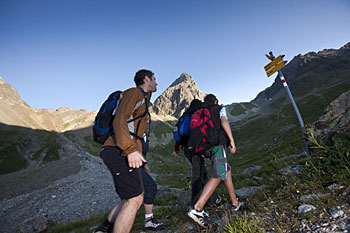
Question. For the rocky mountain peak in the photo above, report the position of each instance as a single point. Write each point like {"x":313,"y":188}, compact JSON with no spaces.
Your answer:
{"x":184,"y":77}
{"x":9,"y":94}
{"x":177,"y":97}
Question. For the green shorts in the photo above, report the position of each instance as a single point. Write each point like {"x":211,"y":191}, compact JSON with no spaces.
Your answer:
{"x":219,"y":164}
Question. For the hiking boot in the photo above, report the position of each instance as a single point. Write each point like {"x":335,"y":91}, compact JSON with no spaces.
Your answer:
{"x":199,"y":217}
{"x":234,"y":209}
{"x":152,"y":224}
{"x":103,"y":229}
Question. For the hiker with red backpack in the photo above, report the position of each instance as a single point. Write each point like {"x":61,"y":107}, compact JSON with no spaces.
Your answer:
{"x":210,"y":133}
{"x":199,"y":171}
{"x":122,"y":150}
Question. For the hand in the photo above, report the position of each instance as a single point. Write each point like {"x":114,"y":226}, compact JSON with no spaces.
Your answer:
{"x":232,"y":147}
{"x":147,"y":169}
{"x":135,"y":159}
{"x":176,"y":153}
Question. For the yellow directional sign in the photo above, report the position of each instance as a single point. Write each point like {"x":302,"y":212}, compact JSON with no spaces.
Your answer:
{"x":274,"y":66}
{"x":269,"y":57}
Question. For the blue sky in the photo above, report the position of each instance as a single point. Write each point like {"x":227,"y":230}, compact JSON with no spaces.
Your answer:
{"x":73,"y":53}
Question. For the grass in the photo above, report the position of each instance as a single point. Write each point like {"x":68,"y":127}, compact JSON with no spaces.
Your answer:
{"x":312,"y":106}
{"x":331,"y":163}
{"x":241,"y":108}
{"x":174,"y":172}
{"x":88,"y":144}
{"x":15,"y":142}
{"x":249,"y":105}
{"x":78,"y":226}
{"x":91,"y":146}
{"x":237,"y":110}
{"x":245,"y":223}
{"x":53,"y":148}
{"x":11,"y":160}
{"x":159,"y":128}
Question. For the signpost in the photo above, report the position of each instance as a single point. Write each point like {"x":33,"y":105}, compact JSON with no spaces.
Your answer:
{"x":276,"y":65}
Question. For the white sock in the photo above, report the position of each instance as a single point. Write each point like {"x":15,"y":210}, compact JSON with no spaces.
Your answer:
{"x":148,"y":216}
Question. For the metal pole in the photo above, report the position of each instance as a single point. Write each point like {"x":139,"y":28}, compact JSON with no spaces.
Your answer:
{"x":294,"y":106}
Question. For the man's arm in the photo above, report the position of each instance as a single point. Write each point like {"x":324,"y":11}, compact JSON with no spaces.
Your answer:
{"x":176,"y":149}
{"x":226,"y":126}
{"x":135,"y":159}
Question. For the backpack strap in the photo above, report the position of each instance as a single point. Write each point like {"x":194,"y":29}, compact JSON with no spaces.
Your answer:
{"x":214,"y":110}
{"x":142,"y":115}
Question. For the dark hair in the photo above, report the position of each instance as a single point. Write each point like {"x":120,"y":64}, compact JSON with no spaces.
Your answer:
{"x":140,"y":75}
{"x":194,"y":106}
{"x":210,"y":99}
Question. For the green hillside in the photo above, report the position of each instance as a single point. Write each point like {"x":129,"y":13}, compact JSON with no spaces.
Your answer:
{"x":21,"y":146}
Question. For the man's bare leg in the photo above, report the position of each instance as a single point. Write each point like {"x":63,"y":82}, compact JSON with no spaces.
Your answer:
{"x":114,"y":212}
{"x":230,"y":188}
{"x":126,"y":215}
{"x":208,"y":190}
{"x":148,"y":208}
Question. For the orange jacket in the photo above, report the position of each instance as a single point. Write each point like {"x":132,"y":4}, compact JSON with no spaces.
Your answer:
{"x":130,"y":106}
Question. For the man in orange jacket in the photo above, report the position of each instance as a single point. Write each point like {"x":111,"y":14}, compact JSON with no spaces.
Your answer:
{"x":124,"y":160}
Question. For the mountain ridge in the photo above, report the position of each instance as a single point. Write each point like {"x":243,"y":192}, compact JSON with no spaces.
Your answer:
{"x":299,"y":67}
{"x":15,"y":111}
{"x":172,"y":102}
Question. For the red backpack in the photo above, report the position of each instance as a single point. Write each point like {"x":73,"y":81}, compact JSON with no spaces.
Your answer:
{"x":203,"y":133}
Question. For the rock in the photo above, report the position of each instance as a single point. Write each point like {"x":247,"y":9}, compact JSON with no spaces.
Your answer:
{"x":336,"y":213}
{"x":335,"y":187}
{"x":249,"y":171}
{"x":335,"y":119}
{"x":289,"y":157}
{"x":257,"y":178}
{"x":248,"y":191}
{"x":311,"y":197}
{"x":292,"y":169}
{"x":324,"y":224}
{"x":305,"y":208}
{"x":347,"y":226}
{"x":37,"y":224}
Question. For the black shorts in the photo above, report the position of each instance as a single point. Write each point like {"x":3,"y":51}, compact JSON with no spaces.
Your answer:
{"x":127,"y":180}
